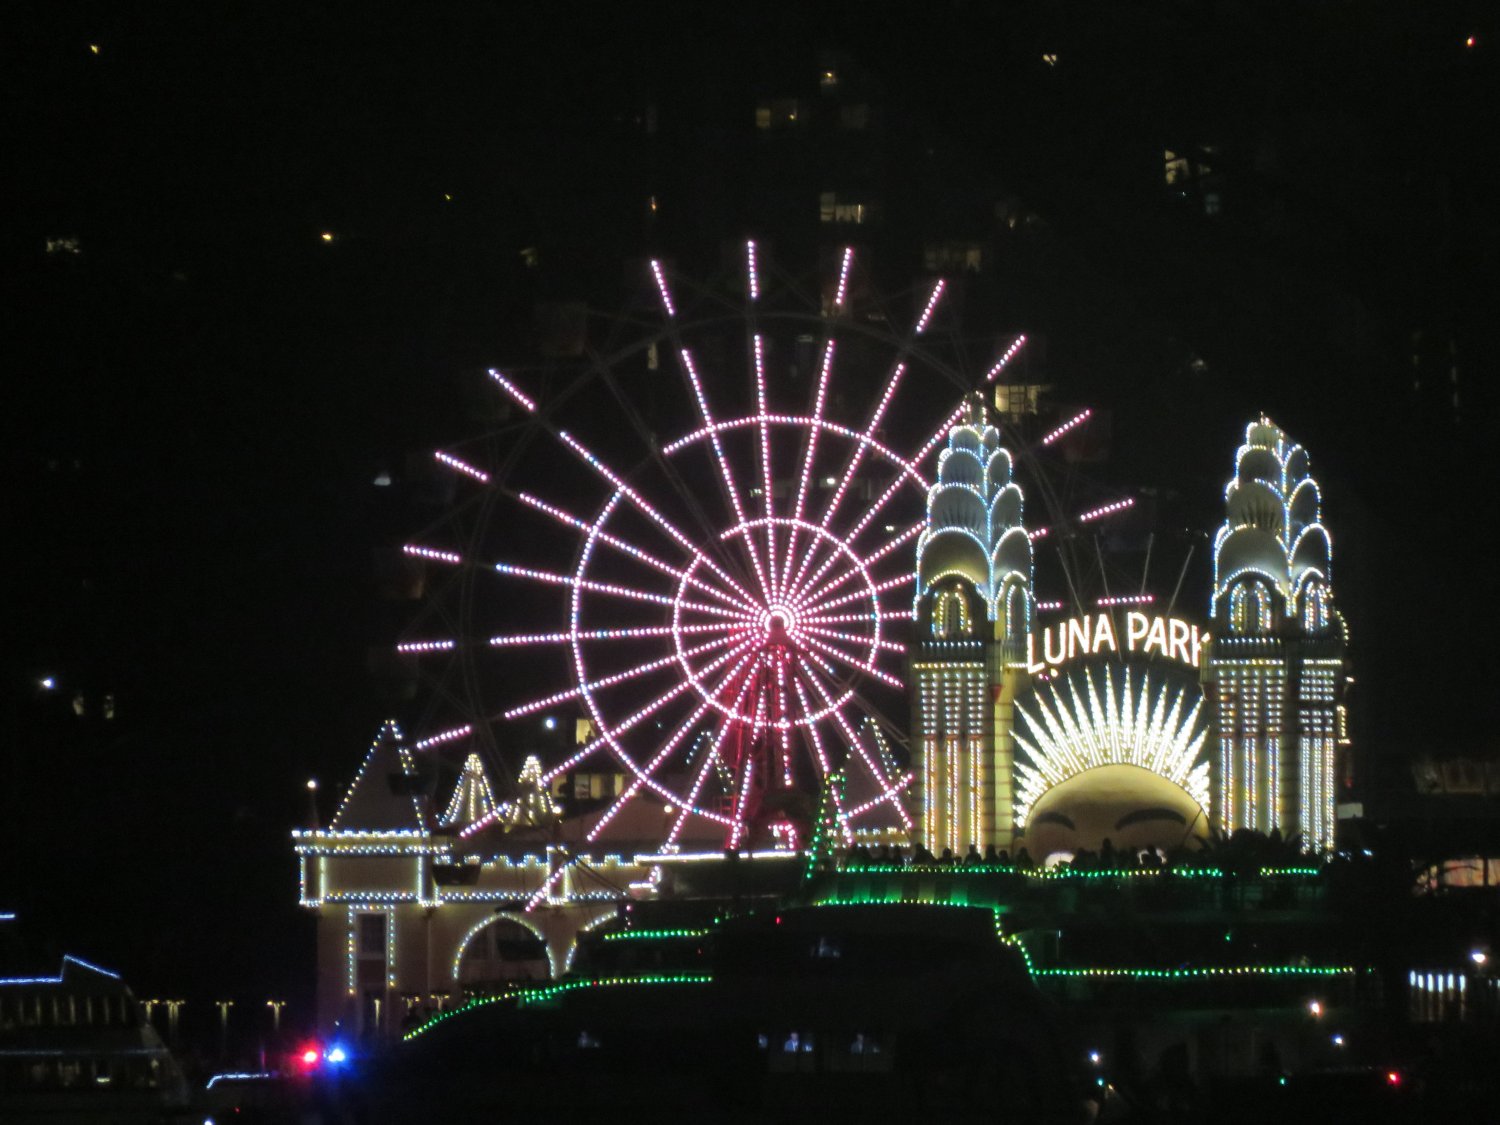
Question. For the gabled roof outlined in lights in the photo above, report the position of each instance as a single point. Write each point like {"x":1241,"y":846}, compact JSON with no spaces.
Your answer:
{"x":373,"y":803}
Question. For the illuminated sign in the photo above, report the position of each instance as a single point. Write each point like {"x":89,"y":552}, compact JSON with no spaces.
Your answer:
{"x":1168,"y":637}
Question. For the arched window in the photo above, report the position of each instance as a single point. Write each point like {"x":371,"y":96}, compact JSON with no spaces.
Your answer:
{"x":1250,"y":608}
{"x":1016,"y":623}
{"x":1315,"y":609}
{"x":950,"y":616}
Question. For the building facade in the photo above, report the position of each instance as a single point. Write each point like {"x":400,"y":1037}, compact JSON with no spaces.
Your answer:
{"x":973,"y":615}
{"x":418,"y":908}
{"x":1276,"y":670}
{"x":1060,"y":736}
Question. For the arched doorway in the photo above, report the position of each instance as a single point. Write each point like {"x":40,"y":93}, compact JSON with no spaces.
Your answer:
{"x":500,"y":950}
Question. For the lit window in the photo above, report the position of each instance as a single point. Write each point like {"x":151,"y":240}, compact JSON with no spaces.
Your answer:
{"x":1016,"y":400}
{"x":779,"y":113}
{"x":1177,"y":168}
{"x":953,"y":257}
{"x":834,"y":209}
{"x":63,"y":246}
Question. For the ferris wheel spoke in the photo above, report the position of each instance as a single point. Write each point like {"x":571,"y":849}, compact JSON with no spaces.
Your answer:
{"x":443,"y":736}
{"x":732,"y":606}
{"x":569,"y":580}
{"x":649,"y":510}
{"x":851,"y":572}
{"x":767,"y":474}
{"x":892,"y":792}
{"x":630,"y":549}
{"x":868,"y":667}
{"x":625,"y":634}
{"x":747,"y":765}
{"x":432,"y":554}
{"x":817,"y":548}
{"x":459,"y":465}
{"x":846,"y":266}
{"x":871,"y":640}
{"x":813,"y":733}
{"x":513,"y":392}
{"x":861,"y":567}
{"x":871,"y":427}
{"x":868,"y":592}
{"x":713,"y":754}
{"x":1009,"y":354}
{"x":610,"y":737}
{"x":683,"y":730}
{"x":925,"y":319}
{"x":726,"y":478}
{"x":422,"y":648}
{"x":857,"y":618}
{"x":747,"y":776}
{"x":614,"y":678}
{"x":820,"y":398}
{"x":783,"y":725}
{"x":936,"y":438}
{"x":607,"y":740}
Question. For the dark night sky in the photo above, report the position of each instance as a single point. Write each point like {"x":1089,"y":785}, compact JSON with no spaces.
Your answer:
{"x":199,"y":400}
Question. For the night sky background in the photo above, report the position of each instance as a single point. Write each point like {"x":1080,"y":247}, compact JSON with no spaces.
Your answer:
{"x":198,"y":401}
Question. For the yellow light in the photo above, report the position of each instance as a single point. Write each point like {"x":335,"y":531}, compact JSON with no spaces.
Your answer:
{"x":327,"y":236}
{"x":448,"y":197}
{"x":94,"y":47}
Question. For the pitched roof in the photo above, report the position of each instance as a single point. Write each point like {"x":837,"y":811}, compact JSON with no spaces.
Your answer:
{"x":472,"y":798}
{"x":385,"y":795}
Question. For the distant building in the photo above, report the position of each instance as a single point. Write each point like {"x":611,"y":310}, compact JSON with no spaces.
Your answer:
{"x":76,"y":1044}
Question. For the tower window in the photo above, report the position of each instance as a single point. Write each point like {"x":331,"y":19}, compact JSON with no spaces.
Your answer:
{"x":950,"y":616}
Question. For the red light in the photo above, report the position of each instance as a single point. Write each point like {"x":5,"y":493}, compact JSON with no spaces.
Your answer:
{"x":1469,"y":42}
{"x":310,"y":1056}
{"x":1393,"y":1077}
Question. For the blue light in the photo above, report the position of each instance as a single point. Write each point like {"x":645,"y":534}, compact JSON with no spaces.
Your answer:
{"x":336,"y":1055}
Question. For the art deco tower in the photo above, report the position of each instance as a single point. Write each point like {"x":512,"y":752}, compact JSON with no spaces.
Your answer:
{"x":973,"y":614}
{"x":1275,"y":668}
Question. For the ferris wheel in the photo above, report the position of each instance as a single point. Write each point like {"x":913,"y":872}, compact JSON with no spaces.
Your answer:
{"x":738,"y":488}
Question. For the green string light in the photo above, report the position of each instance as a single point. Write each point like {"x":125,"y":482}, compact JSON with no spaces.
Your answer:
{"x":1061,"y":872}
{"x":540,"y":994}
